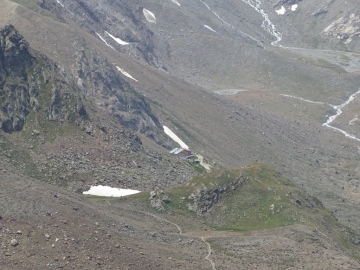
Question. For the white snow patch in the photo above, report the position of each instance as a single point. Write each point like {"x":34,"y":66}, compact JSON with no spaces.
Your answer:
{"x":150,"y":17}
{"x":61,"y":4}
{"x":173,"y":136}
{"x":118,"y":40}
{"x":208,"y":27}
{"x":281,"y":11}
{"x":109,"y":191}
{"x":294,"y":7}
{"x":176,"y":2}
{"x":105,"y":41}
{"x":126,"y":74}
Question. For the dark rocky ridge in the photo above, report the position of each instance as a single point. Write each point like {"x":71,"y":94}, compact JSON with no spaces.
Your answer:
{"x":30,"y":81}
{"x":26,"y":74}
{"x":78,"y":129}
{"x":15,"y":96}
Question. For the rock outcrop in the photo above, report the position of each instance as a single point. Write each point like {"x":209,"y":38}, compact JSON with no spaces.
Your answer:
{"x":346,"y":28}
{"x":91,"y":104}
{"x":205,"y":199}
{"x":15,"y":93}
{"x":31,"y":82}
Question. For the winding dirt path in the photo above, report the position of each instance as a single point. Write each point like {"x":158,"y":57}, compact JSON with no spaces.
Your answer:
{"x":181,"y":232}
{"x":167,"y":221}
{"x":209,"y":254}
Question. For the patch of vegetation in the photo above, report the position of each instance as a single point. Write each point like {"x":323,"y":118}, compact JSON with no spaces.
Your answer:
{"x":196,"y":165}
{"x":264,"y":199}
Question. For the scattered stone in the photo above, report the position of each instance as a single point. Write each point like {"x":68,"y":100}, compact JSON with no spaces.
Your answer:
{"x":166,"y":199}
{"x":47,"y":236}
{"x":156,"y":203}
{"x":75,"y":208}
{"x":152,"y":194}
{"x":14,"y":242}
{"x":19,"y":232}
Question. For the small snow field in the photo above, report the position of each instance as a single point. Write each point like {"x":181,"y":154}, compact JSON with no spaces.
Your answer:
{"x":149,"y":16}
{"x":281,"y":11}
{"x":118,"y":40}
{"x":126,"y":74}
{"x":208,"y":27}
{"x":61,"y":4}
{"x":294,"y":7}
{"x":104,"y":41}
{"x":106,"y":191}
{"x":176,"y":2}
{"x":175,"y":138}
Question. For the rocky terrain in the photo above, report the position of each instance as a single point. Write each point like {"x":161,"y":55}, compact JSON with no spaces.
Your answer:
{"x":55,"y":107}
{"x":87,"y":86}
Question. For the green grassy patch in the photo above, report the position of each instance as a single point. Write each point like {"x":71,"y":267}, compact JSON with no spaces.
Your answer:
{"x":196,"y":166}
{"x":255,"y":198}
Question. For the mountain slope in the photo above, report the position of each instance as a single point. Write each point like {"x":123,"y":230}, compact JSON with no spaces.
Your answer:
{"x":261,"y":125}
{"x":113,"y":73}
{"x":76,"y":130}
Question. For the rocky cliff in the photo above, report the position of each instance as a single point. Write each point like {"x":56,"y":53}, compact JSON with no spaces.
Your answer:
{"x":31,"y":82}
{"x":77,"y":129}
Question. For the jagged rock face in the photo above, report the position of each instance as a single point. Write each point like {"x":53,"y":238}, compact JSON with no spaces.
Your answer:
{"x":38,"y":97}
{"x":15,"y":91}
{"x":97,"y":80}
{"x":31,"y":81}
{"x":345,"y":28}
